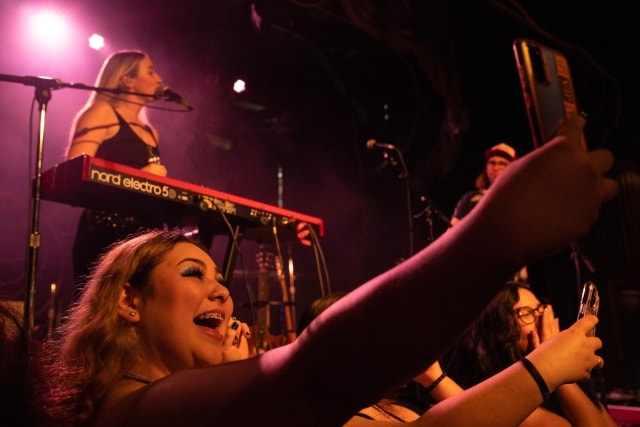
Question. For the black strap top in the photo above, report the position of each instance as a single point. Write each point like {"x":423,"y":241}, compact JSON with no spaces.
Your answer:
{"x":126,"y":147}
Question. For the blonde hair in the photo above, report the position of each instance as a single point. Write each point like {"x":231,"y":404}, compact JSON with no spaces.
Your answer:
{"x":117,"y":65}
{"x":96,"y":346}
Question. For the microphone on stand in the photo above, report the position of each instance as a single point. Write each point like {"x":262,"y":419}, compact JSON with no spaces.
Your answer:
{"x":166,"y":94}
{"x":391,"y":153}
{"x":395,"y":157}
{"x":372,"y":144}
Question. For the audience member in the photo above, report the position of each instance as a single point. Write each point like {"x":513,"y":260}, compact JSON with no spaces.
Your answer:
{"x":403,"y":404}
{"x":410,"y":402}
{"x":511,"y":327}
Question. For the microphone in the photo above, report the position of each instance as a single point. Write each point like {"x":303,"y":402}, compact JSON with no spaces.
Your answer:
{"x":372,"y":144}
{"x":164,"y":93}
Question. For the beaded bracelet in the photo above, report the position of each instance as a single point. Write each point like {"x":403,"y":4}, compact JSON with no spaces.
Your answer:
{"x":434,"y":384}
{"x":542,"y":385}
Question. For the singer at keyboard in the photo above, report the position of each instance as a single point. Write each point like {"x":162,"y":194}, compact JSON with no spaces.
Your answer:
{"x":115,"y":127}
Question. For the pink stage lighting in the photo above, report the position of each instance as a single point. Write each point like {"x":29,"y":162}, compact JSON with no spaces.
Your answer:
{"x":239,"y":86}
{"x":96,"y":42}
{"x":49,"y":28}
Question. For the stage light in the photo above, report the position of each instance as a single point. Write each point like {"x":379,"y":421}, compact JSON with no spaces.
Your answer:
{"x":239,"y":86}
{"x":49,"y":28}
{"x":96,"y":42}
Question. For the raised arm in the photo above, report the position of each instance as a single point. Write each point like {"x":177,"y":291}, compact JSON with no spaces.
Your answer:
{"x":509,"y":397}
{"x":439,"y":385}
{"x":577,"y":408}
{"x":333,"y":369}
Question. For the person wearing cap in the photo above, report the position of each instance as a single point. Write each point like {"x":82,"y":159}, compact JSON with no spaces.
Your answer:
{"x":498,"y":158}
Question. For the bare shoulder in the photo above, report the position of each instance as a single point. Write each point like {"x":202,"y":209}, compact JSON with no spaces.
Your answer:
{"x":98,"y":113}
{"x":117,"y":405}
{"x":92,"y":126}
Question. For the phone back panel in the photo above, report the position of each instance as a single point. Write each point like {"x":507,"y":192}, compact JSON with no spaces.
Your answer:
{"x":547,"y":88}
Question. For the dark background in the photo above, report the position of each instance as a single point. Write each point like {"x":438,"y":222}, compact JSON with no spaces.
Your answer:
{"x":318,"y":89}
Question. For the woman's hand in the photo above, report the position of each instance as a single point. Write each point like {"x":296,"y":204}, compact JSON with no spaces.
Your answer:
{"x":156,"y":169}
{"x":559,"y":177}
{"x":570,"y":355}
{"x":549,"y":324}
{"x":237,"y":343}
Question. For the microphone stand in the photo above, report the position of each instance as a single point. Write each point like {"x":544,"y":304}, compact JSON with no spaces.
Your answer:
{"x":430,"y":211}
{"x":404,"y":174}
{"x":43,"y":87}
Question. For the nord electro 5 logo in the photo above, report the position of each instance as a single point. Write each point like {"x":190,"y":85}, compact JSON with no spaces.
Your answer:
{"x":132,"y":183}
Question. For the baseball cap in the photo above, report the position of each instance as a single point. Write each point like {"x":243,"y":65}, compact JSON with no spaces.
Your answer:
{"x":502,"y":150}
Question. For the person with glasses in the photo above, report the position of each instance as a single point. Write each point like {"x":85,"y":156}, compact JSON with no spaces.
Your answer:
{"x":513,"y":325}
{"x":497,"y":159}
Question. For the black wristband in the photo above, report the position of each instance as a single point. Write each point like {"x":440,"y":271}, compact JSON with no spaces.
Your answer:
{"x":542,"y":385}
{"x":434,"y":384}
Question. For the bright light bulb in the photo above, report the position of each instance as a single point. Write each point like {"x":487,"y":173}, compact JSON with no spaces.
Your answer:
{"x":96,"y":41}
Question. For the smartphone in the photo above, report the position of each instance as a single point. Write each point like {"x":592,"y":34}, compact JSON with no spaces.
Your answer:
{"x":547,"y":88}
{"x":589,"y":303}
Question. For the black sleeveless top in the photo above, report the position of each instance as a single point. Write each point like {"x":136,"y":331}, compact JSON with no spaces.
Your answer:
{"x":126,"y":147}
{"x":98,"y":229}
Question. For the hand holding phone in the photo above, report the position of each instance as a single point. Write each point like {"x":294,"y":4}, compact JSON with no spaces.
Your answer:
{"x":589,"y":303}
{"x":547,"y":88}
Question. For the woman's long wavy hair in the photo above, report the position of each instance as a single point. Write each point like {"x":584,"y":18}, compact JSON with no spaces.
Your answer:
{"x":95,"y":346}
{"x":490,"y":343}
{"x":494,"y":336}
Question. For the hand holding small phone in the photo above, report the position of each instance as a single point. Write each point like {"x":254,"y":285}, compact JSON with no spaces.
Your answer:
{"x":547,"y":88}
{"x":589,"y":303}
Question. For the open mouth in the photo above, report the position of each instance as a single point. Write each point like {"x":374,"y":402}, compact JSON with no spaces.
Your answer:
{"x":209,"y":320}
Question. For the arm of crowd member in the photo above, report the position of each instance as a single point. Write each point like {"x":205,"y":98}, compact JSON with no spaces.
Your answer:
{"x":580,"y":410}
{"x":438,"y":383}
{"x":507,"y":398}
{"x":576,"y":406}
{"x":542,"y":202}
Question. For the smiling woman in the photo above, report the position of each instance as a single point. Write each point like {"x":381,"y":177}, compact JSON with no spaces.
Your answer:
{"x":154,"y":305}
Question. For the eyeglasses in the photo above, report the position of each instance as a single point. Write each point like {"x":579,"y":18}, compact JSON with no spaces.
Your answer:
{"x":498,"y":163}
{"x":529,"y":315}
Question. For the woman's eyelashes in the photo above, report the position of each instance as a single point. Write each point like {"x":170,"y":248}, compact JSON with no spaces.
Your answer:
{"x":193,"y":271}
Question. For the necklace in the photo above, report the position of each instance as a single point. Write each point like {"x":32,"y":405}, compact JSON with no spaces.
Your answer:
{"x":137,"y":377}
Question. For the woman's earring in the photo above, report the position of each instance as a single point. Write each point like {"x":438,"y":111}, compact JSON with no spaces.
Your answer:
{"x":133,"y":313}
